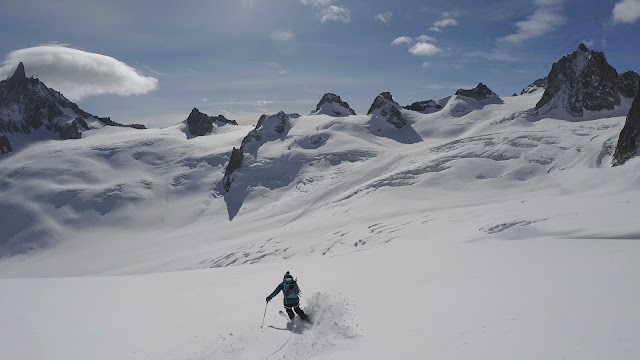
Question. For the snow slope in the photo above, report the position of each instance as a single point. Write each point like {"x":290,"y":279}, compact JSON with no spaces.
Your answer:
{"x":493,"y":237}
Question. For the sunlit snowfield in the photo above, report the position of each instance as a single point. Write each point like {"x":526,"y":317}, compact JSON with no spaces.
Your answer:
{"x":474,"y":232}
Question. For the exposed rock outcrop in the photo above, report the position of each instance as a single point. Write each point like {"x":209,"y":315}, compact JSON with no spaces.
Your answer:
{"x":425,"y":107}
{"x":629,"y":83}
{"x":480,"y":92}
{"x":384,"y":106}
{"x":5,"y":145}
{"x":584,"y":80}
{"x":27,"y":104}
{"x":536,"y":86}
{"x":332,"y":105}
{"x":201,"y":124}
{"x":629,"y":140}
{"x":268,"y":128}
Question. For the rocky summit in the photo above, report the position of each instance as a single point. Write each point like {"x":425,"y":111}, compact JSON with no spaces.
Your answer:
{"x":629,"y":140}
{"x":584,"y":80}
{"x":480,"y":92}
{"x":384,"y":106}
{"x":201,"y":124}
{"x":538,"y":85}
{"x":27,"y":104}
{"x":425,"y":107}
{"x":332,"y":105}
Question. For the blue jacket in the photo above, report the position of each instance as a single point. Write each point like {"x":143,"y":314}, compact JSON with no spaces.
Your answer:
{"x":290,"y":299}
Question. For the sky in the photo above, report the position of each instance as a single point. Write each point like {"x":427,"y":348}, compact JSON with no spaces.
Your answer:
{"x":151,"y":62}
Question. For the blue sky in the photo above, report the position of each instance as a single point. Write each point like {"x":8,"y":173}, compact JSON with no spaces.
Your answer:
{"x":243,"y":58}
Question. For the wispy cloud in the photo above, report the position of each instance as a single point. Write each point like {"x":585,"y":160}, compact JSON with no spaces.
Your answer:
{"x":589,"y":42}
{"x":384,"y":17}
{"x":282,"y":35}
{"x":335,"y":13}
{"x":443,"y":23}
{"x":546,"y":18}
{"x":79,"y":74}
{"x":447,"y":19}
{"x":425,"y":38}
{"x":279,"y":68}
{"x":317,"y":3}
{"x":626,"y":12}
{"x":492,"y":55}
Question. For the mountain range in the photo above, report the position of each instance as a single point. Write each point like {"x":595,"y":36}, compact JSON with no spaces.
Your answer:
{"x":288,"y":166}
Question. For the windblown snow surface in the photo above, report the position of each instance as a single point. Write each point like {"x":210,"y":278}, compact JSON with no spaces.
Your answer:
{"x":487,"y":236}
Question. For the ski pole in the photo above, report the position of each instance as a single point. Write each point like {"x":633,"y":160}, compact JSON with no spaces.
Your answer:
{"x":265,"y":315}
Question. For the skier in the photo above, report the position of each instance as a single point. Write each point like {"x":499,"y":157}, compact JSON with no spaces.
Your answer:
{"x":290,"y":289}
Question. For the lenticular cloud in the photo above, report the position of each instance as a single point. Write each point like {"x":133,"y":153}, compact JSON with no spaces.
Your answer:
{"x":78,"y":74}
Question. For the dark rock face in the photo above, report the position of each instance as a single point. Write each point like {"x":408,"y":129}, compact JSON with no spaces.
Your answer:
{"x":629,"y":83}
{"x":535,"y":86}
{"x":384,"y":106}
{"x":26,"y":104}
{"x":332,"y":105}
{"x":235,"y":161}
{"x":5,"y":145}
{"x":268,"y":128}
{"x":201,"y":124}
{"x":629,"y":140}
{"x":480,"y":92}
{"x":584,"y":80}
{"x":427,"y":106}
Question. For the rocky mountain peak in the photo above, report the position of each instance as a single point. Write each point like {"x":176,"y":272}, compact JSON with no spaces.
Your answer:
{"x":332,"y":105}
{"x":584,"y":80}
{"x":380,"y":101}
{"x":480,"y":92}
{"x":201,"y":124}
{"x":27,"y":104}
{"x":19,"y":78}
{"x":385,"y":107}
{"x":19,"y":73}
{"x":629,"y":140}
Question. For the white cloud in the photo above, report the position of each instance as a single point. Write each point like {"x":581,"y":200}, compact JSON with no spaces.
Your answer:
{"x":317,"y":3}
{"x":282,"y":35}
{"x":424,"y":49}
{"x":384,"y":17}
{"x":335,"y":13}
{"x":589,"y":43}
{"x":626,"y":12}
{"x":402,"y":41}
{"x":425,"y":38}
{"x":425,"y":65}
{"x":329,"y":12}
{"x":546,"y":18}
{"x":78,"y":74}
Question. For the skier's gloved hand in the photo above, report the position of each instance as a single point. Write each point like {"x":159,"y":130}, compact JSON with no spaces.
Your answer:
{"x":268,"y":299}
